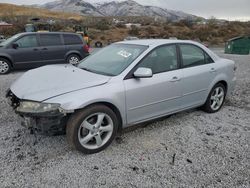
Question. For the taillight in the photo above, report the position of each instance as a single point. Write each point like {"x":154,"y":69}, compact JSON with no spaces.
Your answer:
{"x":86,"y":48}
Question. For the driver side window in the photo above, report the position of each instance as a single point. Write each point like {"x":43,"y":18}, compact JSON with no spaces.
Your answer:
{"x":28,"y":41}
{"x":161,"y":59}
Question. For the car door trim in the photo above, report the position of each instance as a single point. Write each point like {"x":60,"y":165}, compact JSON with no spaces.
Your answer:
{"x":162,"y":115}
{"x":190,"y":93}
{"x":153,"y":103}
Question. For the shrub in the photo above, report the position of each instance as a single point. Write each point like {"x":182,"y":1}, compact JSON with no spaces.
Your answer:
{"x":134,"y":31}
{"x":150,"y":30}
{"x":102,"y":25}
{"x":103,"y":38}
{"x":120,"y":25}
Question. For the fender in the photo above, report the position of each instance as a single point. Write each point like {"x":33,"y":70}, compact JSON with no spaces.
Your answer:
{"x":220,"y":77}
{"x":111,"y":94}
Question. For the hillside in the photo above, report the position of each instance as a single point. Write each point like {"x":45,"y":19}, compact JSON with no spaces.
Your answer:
{"x":104,"y":28}
{"x":116,"y":8}
{"x":10,"y":10}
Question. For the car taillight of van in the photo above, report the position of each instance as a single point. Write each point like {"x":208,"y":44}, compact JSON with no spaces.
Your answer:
{"x":86,"y":48}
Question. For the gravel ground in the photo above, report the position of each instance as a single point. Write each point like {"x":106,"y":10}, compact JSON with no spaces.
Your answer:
{"x":189,"y":149}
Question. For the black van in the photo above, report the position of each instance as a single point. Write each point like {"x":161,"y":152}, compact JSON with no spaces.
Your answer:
{"x":31,"y":50}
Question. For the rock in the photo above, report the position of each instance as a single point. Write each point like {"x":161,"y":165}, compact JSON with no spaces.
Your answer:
{"x":135,"y":168}
{"x":20,"y":157}
{"x":210,"y":134}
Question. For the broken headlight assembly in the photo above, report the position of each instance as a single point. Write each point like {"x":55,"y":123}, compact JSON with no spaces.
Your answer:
{"x":36,"y":107}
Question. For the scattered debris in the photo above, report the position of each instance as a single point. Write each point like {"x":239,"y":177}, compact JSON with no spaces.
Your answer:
{"x":173,"y":159}
{"x":210,"y":134}
{"x":135,"y":168}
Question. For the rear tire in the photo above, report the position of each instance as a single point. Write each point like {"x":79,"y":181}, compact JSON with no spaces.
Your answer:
{"x":93,"y":129}
{"x":5,"y":66}
{"x":215,"y":99}
{"x":73,"y":59}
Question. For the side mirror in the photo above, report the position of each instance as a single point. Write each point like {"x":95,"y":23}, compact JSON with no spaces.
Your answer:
{"x":15,"y":45}
{"x":143,"y":73}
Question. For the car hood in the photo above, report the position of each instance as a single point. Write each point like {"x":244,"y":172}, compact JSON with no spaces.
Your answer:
{"x":50,"y":81}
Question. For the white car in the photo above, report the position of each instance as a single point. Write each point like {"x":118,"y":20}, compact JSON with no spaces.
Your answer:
{"x":119,"y":86}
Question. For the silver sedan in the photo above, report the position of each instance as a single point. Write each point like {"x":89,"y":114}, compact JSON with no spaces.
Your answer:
{"x":124,"y":84}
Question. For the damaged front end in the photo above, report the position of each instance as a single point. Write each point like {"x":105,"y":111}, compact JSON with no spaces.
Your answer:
{"x":43,"y":118}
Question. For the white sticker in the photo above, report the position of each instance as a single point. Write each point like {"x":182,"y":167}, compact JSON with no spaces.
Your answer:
{"x":125,"y":54}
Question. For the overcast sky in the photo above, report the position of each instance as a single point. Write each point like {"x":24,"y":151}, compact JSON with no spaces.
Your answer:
{"x":227,"y":9}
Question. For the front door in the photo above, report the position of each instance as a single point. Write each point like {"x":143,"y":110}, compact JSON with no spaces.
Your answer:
{"x":148,"y":98}
{"x":26,"y":54}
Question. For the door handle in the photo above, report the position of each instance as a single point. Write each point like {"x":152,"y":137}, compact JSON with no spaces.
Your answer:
{"x":175,"y":79}
{"x":35,"y":49}
{"x":44,"y":48}
{"x":213,"y":70}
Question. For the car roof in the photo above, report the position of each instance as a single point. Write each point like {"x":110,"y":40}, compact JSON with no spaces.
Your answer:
{"x":152,"y":43}
{"x":156,"y":42}
{"x":27,"y":33}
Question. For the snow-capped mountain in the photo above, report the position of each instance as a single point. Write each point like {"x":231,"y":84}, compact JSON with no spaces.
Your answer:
{"x":116,"y":8}
{"x":74,"y":6}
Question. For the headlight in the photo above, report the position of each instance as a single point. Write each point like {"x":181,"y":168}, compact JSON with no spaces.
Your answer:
{"x":36,"y":107}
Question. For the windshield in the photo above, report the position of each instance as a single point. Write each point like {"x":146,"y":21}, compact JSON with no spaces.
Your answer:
{"x":112,"y":60}
{"x":9,"y":40}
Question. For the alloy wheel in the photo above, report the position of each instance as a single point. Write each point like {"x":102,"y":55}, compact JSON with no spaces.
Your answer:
{"x":4,"y":67}
{"x":95,"y":131}
{"x":74,"y":60}
{"x":217,"y":98}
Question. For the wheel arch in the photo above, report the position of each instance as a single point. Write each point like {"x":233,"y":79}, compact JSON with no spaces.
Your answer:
{"x":224,"y":83}
{"x":221,"y":80}
{"x":7,"y":58}
{"x":71,"y":53}
{"x":113,"y":108}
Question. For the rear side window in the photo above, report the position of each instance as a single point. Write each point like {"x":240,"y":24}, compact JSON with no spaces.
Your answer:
{"x":72,"y":39}
{"x":208,"y":59}
{"x":50,"y":40}
{"x":192,"y":56}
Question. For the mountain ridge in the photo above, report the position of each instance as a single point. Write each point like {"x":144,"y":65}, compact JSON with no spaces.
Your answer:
{"x":116,"y":8}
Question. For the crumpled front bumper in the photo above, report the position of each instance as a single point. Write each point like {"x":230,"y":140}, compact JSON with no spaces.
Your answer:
{"x":48,"y":123}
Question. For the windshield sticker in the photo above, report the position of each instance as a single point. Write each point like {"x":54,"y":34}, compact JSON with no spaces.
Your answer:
{"x":123,"y":53}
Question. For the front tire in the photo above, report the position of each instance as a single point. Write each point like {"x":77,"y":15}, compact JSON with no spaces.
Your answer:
{"x":216,"y":99}
{"x":93,"y":129}
{"x":5,"y":66}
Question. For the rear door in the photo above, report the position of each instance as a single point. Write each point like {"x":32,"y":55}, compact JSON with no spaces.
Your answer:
{"x":27,"y":54}
{"x":198,"y":72}
{"x":52,"y":48}
{"x":148,"y":98}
